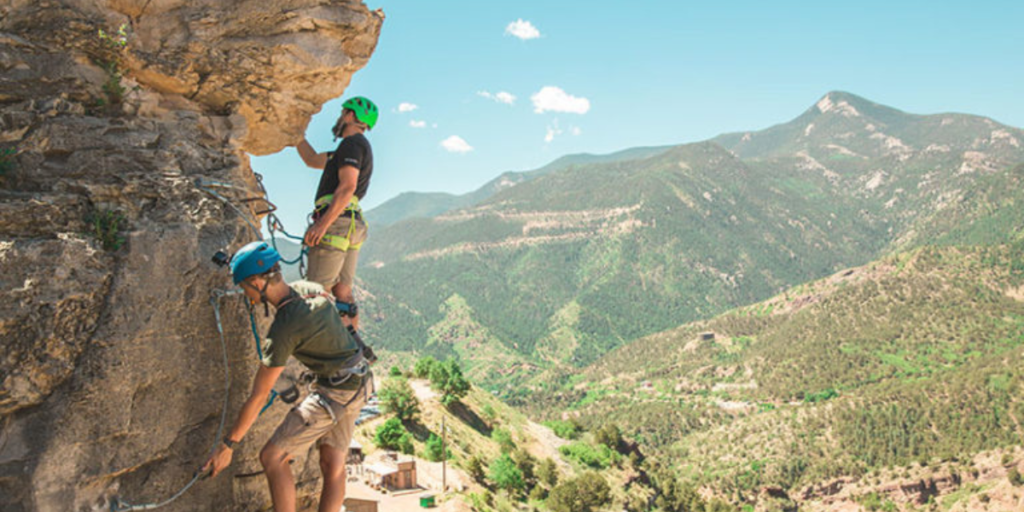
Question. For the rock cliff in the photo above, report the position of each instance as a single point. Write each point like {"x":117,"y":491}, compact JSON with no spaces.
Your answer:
{"x":112,"y":112}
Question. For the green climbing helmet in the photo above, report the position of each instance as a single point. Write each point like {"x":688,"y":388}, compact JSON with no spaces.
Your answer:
{"x":365,"y":110}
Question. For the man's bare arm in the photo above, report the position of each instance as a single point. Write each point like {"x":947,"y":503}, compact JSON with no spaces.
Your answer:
{"x":310,"y":156}
{"x":262,"y":385}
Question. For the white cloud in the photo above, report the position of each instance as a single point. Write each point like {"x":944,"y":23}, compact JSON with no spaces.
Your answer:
{"x":553,"y":130}
{"x":407,"y":107}
{"x":550,"y":136}
{"x":501,"y":97}
{"x":575,"y":130}
{"x":522,"y":29}
{"x":456,"y":144}
{"x":417,"y":124}
{"x":554,"y":99}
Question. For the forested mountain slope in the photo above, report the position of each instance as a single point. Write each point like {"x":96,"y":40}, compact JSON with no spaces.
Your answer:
{"x":562,"y":268}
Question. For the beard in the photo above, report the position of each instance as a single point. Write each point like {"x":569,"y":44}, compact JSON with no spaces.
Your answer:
{"x":338,"y":129}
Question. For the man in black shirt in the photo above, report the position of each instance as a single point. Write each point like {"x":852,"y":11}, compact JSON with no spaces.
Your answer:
{"x":338,"y":230}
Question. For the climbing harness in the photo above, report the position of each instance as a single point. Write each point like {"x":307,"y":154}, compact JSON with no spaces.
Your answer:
{"x":352,"y":211}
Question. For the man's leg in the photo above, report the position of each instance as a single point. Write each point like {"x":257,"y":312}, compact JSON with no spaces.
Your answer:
{"x":343,"y":290}
{"x":279,"y":477}
{"x":324,"y":265}
{"x":301,"y":427}
{"x":334,"y":446}
{"x":332,"y":465}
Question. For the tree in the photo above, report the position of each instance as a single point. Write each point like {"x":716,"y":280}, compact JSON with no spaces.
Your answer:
{"x":392,"y":436}
{"x":447,"y":378}
{"x":505,"y":475}
{"x":526,"y":463}
{"x":610,"y":436}
{"x":547,"y":473}
{"x":423,"y":367}
{"x":475,"y":468}
{"x":584,"y":493}
{"x":398,"y":397}
{"x":435,"y":450}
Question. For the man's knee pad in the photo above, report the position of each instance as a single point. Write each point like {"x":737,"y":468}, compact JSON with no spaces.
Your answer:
{"x":349,"y":309}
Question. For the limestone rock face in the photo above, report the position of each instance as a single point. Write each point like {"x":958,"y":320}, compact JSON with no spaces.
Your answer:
{"x":275,"y":62}
{"x":111,"y":376}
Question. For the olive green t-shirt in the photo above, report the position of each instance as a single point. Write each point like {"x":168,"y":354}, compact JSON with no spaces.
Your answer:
{"x":310,"y":330}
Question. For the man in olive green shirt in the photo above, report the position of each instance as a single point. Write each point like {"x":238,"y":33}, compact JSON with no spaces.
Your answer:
{"x":306,"y":326}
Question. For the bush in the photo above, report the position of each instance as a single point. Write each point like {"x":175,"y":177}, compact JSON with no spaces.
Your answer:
{"x":7,"y":161}
{"x":475,"y":467}
{"x":106,"y":226}
{"x":398,"y":397}
{"x":599,"y":457}
{"x":1015,"y":477}
{"x":489,"y":412}
{"x":393,"y":436}
{"x":395,"y":372}
{"x":547,"y":472}
{"x":505,"y":475}
{"x":585,"y":493}
{"x":435,"y":450}
{"x":526,"y":464}
{"x":565,"y":429}
{"x":504,"y":439}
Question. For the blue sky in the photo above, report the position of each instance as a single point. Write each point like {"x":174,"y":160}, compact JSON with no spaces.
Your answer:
{"x":617,"y":75}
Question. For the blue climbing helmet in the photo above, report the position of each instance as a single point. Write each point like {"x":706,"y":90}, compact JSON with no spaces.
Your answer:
{"x":253,"y":259}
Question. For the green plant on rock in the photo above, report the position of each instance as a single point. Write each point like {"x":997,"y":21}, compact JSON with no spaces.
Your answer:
{"x":106,"y":226}
{"x":110,"y":57}
{"x":7,"y":162}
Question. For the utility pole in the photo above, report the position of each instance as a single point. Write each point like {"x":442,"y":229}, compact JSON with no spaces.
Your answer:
{"x":444,"y":458}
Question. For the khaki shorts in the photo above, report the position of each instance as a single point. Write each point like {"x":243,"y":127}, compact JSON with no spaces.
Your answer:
{"x":310,"y":422}
{"x":329,"y":265}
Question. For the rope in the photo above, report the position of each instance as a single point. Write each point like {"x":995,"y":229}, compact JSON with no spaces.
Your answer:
{"x":205,"y":186}
{"x":120,"y":505}
{"x":274,"y":224}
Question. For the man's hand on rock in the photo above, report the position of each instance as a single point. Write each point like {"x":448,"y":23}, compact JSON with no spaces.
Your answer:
{"x":219,"y":461}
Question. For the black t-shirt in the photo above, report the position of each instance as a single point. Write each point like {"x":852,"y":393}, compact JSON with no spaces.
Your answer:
{"x":354,"y":150}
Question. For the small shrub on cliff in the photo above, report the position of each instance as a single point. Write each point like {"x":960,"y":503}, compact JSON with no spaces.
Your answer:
{"x":1015,"y":477}
{"x":7,"y":162}
{"x":110,"y":56}
{"x":106,"y":226}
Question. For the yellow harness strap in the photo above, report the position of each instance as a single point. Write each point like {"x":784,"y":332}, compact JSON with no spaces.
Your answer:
{"x":343,"y":243}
